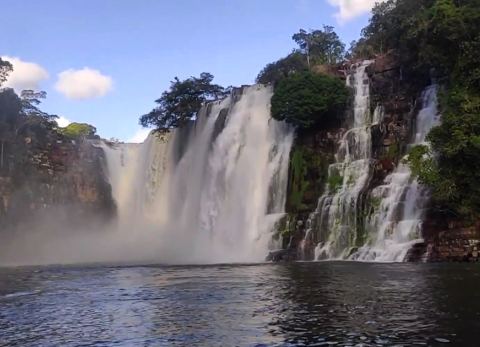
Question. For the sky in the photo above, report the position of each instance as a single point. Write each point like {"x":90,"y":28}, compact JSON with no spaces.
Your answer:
{"x":104,"y":62}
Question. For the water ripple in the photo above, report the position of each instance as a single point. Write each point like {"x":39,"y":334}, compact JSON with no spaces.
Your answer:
{"x":304,"y":304}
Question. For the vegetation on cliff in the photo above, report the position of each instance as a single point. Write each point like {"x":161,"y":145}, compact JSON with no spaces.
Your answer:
{"x":307,"y":176}
{"x":306,"y":96}
{"x":20,"y":118}
{"x":309,"y":95}
{"x":310,"y":101}
{"x":316,"y":98}
{"x":77,"y":131}
{"x":440,"y":39}
{"x":315,"y":47}
{"x":274,"y":72}
{"x":320,"y":46}
{"x":180,"y":104}
{"x":41,"y":168}
{"x":5,"y":69}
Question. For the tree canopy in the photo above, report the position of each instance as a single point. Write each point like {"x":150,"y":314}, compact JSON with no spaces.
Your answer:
{"x":5,"y":69}
{"x":182,"y":101}
{"x":315,"y":47}
{"x":21,"y":118}
{"x":275,"y":72}
{"x":79,"y":131}
{"x":320,"y":46}
{"x":309,"y":100}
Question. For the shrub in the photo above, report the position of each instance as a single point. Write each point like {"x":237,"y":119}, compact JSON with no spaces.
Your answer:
{"x":307,"y":100}
{"x":78,"y":131}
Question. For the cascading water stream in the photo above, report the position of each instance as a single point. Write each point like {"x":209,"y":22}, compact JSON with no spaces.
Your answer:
{"x":335,"y":219}
{"x":213,"y":191}
{"x":396,"y":224}
{"x":340,"y":222}
{"x":135,"y":172}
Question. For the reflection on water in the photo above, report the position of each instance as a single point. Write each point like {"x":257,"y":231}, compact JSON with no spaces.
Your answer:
{"x":311,"y":304}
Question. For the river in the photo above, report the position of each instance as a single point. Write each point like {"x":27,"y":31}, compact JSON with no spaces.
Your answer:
{"x":298,"y":304}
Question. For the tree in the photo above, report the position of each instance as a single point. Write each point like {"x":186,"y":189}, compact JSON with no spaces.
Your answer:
{"x":275,"y":72}
{"x":360,"y":49}
{"x":21,"y":117}
{"x":30,"y":102}
{"x":5,"y":69}
{"x":381,"y":25}
{"x":309,"y":101}
{"x":320,"y":46}
{"x":182,"y":101}
{"x":79,"y":131}
{"x":315,"y":47}
{"x":10,"y":109}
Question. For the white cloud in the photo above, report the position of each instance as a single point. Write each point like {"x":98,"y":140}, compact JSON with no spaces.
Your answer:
{"x":83,"y":84}
{"x":349,"y":9}
{"x":139,"y":136}
{"x":25,"y":75}
{"x":62,"y":121}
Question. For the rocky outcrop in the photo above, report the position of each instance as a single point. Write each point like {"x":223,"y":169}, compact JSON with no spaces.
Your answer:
{"x":310,"y":157}
{"x":447,"y":241}
{"x":57,"y":180}
{"x":399,"y":97}
{"x":461,"y":244}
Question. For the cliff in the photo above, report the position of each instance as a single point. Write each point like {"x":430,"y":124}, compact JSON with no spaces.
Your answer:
{"x":53,"y":181}
{"x":398,"y":97}
{"x":310,"y":157}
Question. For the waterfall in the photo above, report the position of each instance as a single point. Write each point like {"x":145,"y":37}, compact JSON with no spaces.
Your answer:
{"x":343,"y":223}
{"x":135,"y":172}
{"x":396,"y":224}
{"x":336,"y":218}
{"x":212,"y":191}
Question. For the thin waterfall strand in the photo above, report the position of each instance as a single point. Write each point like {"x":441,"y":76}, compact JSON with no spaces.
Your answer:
{"x":338,"y":208}
{"x":396,"y":224}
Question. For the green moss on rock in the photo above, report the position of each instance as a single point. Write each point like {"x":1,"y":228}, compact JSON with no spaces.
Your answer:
{"x":307,"y":177}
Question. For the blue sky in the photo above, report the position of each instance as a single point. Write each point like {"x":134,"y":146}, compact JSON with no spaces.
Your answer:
{"x":134,"y":48}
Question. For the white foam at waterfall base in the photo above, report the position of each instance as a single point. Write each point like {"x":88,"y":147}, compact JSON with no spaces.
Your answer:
{"x":216,"y":202}
{"x":396,"y":224}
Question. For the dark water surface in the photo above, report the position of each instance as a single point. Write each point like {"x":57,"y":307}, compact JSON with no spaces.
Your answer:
{"x":311,"y":304}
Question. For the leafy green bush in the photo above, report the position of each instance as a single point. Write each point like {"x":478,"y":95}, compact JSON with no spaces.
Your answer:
{"x":335,"y":182}
{"x":79,"y":130}
{"x":309,"y":101}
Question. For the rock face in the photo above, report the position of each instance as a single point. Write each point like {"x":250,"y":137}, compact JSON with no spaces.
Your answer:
{"x":447,"y":241}
{"x":310,"y":157}
{"x":399,"y":98}
{"x":461,"y":244}
{"x":55,"y":181}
